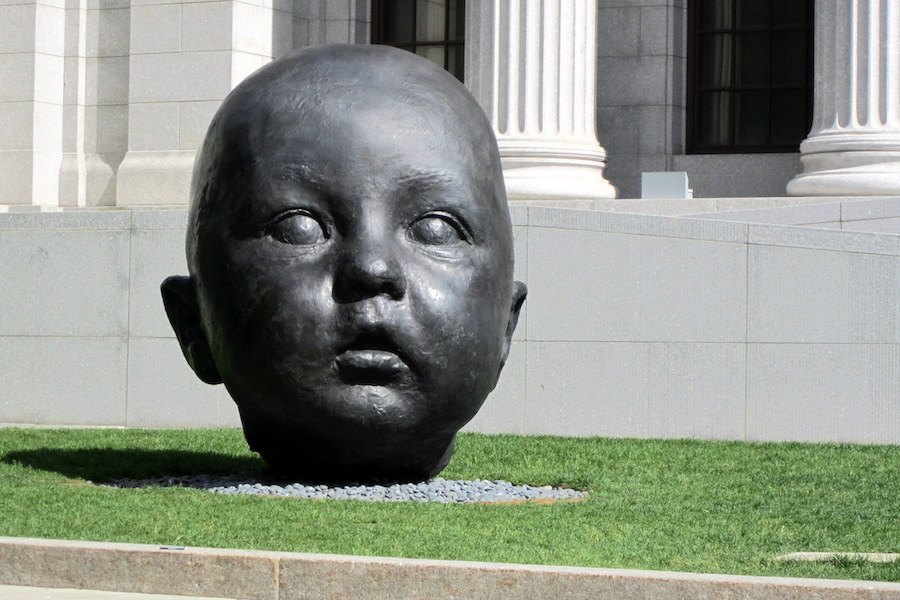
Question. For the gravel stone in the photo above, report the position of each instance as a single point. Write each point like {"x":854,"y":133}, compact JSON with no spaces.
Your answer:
{"x":445,"y":491}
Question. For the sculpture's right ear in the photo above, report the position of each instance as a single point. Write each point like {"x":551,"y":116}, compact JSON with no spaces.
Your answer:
{"x":180,"y":299}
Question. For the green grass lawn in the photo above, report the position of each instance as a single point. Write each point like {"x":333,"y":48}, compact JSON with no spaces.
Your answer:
{"x":714,"y":507}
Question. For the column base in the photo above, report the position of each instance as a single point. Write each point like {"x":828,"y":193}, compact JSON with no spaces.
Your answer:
{"x":17,"y":176}
{"x":538,"y":170}
{"x":849,"y":163}
{"x":95,"y":172}
{"x":153,"y":178}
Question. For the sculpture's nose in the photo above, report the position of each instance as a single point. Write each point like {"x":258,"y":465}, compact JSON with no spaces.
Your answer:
{"x":368,"y":266}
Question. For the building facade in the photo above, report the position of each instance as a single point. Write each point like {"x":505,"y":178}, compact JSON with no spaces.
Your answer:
{"x":743,"y":317}
{"x":104,"y":102}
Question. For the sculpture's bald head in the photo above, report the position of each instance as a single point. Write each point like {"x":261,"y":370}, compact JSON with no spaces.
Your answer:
{"x":318,"y":103}
{"x":351,"y":262}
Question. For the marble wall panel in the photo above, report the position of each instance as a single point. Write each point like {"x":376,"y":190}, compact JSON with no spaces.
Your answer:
{"x":638,"y":288}
{"x":66,"y":380}
{"x":635,"y":389}
{"x":162,"y":389}
{"x":823,"y":296}
{"x":64,"y":283}
{"x":824,"y":392}
{"x":504,"y":409}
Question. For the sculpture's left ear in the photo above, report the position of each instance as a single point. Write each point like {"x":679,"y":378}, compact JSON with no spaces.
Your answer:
{"x":180,"y":299}
{"x":519,"y":291}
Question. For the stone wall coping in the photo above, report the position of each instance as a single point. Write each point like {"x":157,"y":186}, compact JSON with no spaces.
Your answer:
{"x":716,"y":230}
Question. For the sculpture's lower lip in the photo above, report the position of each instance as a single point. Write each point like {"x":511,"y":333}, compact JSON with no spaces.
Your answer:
{"x":369,"y":366}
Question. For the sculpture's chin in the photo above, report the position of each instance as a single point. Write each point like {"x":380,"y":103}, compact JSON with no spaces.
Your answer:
{"x":312,"y":468}
{"x":311,"y":458}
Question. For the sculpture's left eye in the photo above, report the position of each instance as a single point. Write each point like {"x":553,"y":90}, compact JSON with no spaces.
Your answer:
{"x":298,"y":229}
{"x":438,"y":229}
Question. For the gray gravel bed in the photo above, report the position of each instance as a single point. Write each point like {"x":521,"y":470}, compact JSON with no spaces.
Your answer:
{"x":434,"y":490}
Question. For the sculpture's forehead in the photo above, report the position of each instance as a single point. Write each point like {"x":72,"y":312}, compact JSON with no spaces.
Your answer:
{"x":362,"y":122}
{"x":346,"y":127}
{"x":370,"y":113}
{"x":382,"y":132}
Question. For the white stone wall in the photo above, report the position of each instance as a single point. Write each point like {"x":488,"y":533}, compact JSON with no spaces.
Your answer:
{"x":635,"y":325}
{"x":687,"y":328}
{"x":95,"y":112}
{"x":185,"y":58}
{"x":83,"y":339}
{"x":331,"y":22}
{"x":641,"y":56}
{"x":105,"y":102}
{"x":738,"y":175}
{"x":641,"y":104}
{"x":877,"y":214}
{"x":31,"y":100}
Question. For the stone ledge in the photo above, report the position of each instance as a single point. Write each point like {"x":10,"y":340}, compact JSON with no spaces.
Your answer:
{"x":252,"y":575}
{"x":873,"y":557}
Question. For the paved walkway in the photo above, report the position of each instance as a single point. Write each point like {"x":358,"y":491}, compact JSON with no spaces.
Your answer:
{"x":16,"y":592}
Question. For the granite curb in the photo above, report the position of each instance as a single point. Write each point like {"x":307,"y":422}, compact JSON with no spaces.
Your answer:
{"x":262,"y":575}
{"x":16,"y":592}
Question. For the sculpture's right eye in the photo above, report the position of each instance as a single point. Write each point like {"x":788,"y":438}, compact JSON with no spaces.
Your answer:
{"x":298,"y":228}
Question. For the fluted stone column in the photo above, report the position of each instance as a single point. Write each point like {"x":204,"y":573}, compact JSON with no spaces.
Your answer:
{"x":854,"y":145}
{"x":532,"y":63}
{"x":31,"y":100}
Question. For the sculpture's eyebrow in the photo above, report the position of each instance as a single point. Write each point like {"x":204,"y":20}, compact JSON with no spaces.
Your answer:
{"x":416,"y":182}
{"x":422,"y":181}
{"x":302,"y":172}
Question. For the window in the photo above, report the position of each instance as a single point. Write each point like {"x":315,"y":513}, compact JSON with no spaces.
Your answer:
{"x":434,"y":29}
{"x":749,"y":75}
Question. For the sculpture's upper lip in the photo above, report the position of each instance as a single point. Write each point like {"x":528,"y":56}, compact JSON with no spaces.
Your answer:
{"x":373,"y":358}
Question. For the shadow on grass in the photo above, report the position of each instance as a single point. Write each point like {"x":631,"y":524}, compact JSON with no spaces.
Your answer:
{"x":104,"y":464}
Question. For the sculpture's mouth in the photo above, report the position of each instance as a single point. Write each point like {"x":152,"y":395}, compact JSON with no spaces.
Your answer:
{"x":371,"y":360}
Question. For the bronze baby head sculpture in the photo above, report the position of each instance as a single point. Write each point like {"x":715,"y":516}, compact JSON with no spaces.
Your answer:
{"x":350,"y":256}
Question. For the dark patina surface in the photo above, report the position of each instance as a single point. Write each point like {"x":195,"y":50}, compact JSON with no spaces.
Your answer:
{"x":351,"y":257}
